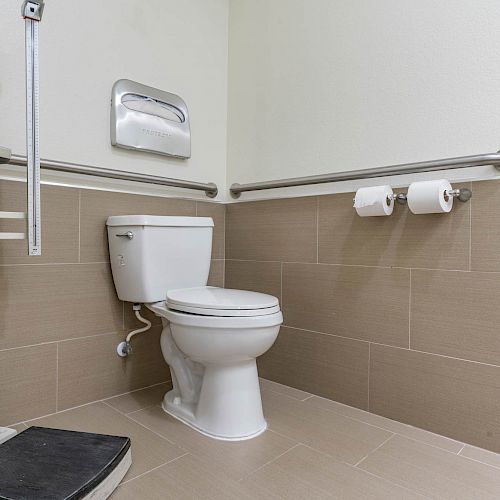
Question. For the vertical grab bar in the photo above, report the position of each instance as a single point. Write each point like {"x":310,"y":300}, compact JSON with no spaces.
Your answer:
{"x":32,"y":11}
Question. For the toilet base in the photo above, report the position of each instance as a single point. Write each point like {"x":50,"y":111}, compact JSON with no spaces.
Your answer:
{"x":228,"y":406}
{"x":174,"y":412}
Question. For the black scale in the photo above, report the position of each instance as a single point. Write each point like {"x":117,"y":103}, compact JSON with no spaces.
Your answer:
{"x":53,"y":464}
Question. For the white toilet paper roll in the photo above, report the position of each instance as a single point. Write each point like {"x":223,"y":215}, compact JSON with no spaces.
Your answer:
{"x":429,"y":197}
{"x":374,"y":201}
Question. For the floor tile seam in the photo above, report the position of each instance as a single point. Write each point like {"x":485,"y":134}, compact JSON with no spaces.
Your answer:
{"x":424,"y":470}
{"x":87,"y":404}
{"x":392,"y":483}
{"x":308,"y":397}
{"x":329,"y":410}
{"x":154,"y":405}
{"x":368,"y":472}
{"x":269,"y":462}
{"x":397,"y":432}
{"x":151,"y":430}
{"x":479,"y":461}
{"x":374,"y":450}
{"x":152,"y":470}
{"x":140,"y":409}
{"x":134,"y":391}
{"x":459,"y":481}
{"x":287,"y":395}
{"x":373,"y":426}
{"x":351,"y":466}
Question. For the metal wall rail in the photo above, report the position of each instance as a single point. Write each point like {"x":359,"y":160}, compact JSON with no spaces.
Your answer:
{"x":405,"y":168}
{"x":74,"y":168}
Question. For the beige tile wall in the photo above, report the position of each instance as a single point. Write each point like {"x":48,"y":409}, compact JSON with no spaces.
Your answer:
{"x":398,"y":315}
{"x":395,"y":315}
{"x":60,"y":319}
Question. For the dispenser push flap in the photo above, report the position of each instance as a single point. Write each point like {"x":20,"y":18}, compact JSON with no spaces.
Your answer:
{"x":149,"y":119}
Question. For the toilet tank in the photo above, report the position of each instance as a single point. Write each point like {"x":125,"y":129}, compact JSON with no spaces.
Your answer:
{"x":152,"y":254}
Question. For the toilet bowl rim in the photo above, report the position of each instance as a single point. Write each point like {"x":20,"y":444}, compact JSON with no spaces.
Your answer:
{"x":237,"y":322}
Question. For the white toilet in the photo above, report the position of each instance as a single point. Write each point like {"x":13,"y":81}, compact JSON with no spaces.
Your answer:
{"x":211,"y":336}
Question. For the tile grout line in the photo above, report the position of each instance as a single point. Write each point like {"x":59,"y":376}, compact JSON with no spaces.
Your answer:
{"x":224,"y":250}
{"x":269,"y":462}
{"x":310,"y":395}
{"x":123,"y":315}
{"x":68,"y":340}
{"x":470,"y":234}
{"x":146,"y":427}
{"x":57,"y":377}
{"x":317,"y":229}
{"x":289,"y":397}
{"x":328,"y":410}
{"x":130,"y":413}
{"x":152,"y":470}
{"x":132,"y":392}
{"x":336,"y":264}
{"x":281,"y":285}
{"x":404,"y":436}
{"x":397,"y":485}
{"x":79,"y":224}
{"x":369,"y":370}
{"x":89,"y":403}
{"x":384,"y":479}
{"x":409,"y":311}
{"x":393,"y":346}
{"x":480,"y":461}
{"x":375,"y":449}
{"x":395,"y":433}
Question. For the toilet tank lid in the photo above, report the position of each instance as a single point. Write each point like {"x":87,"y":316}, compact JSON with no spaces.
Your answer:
{"x":159,"y":220}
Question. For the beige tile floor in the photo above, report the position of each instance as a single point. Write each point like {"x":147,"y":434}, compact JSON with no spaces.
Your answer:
{"x":314,"y":448}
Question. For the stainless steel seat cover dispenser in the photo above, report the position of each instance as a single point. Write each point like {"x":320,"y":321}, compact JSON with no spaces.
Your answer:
{"x":149,"y":119}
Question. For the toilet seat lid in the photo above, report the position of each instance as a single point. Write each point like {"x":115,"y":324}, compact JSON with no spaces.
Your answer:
{"x":214,"y":301}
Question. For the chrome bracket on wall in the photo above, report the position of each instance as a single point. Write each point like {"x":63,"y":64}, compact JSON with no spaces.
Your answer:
{"x":5,"y":157}
{"x":32,"y":11}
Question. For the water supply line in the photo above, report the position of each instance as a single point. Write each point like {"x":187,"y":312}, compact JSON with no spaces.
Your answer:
{"x":124,"y":348}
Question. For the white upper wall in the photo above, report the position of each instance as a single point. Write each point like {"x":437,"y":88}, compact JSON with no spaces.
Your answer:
{"x":178,"y":46}
{"x":317,"y":86}
{"x":314,"y":85}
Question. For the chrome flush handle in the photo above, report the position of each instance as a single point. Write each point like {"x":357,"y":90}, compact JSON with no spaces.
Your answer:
{"x":128,"y":234}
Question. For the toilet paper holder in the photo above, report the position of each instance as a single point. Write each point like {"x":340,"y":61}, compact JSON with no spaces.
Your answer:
{"x":461,"y":194}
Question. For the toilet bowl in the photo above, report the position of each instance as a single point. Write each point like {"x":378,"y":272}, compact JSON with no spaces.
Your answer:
{"x":211,"y":336}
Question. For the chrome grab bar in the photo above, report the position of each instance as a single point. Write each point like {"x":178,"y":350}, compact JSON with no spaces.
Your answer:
{"x":405,"y":168}
{"x":210,"y":188}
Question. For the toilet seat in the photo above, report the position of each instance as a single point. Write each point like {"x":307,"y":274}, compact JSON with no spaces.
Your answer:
{"x":216,"y":322}
{"x":221,"y":302}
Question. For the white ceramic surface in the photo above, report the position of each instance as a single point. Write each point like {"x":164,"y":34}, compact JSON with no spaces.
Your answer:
{"x":211,"y":336}
{"x":164,"y":253}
